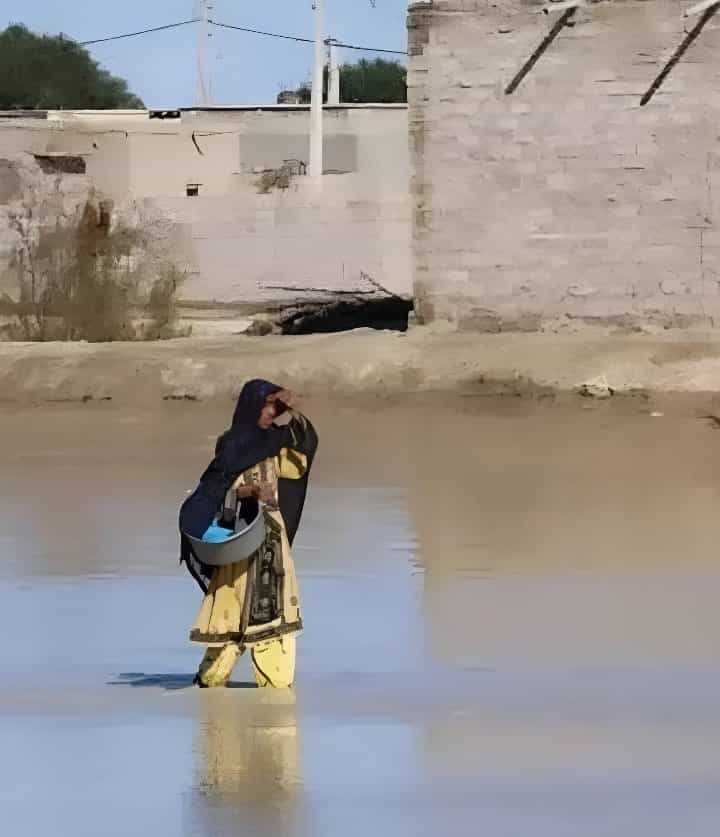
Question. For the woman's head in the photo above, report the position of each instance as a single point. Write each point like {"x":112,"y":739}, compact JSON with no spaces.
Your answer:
{"x":256,"y":406}
{"x":270,"y":411}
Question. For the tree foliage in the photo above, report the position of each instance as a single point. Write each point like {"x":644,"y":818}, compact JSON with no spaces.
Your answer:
{"x":378,"y":81}
{"x":373,"y":81}
{"x":55,"y":72}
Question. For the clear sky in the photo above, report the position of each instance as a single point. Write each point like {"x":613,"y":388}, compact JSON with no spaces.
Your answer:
{"x":245,"y":68}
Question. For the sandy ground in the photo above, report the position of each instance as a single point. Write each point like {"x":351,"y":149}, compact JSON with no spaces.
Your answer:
{"x":511,"y":629}
{"x":363,"y":363}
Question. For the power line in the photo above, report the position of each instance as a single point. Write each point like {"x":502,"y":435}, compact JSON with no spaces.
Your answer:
{"x":141,"y":32}
{"x":371,"y":49}
{"x":260,"y":32}
{"x":220,"y":25}
{"x":301,"y":40}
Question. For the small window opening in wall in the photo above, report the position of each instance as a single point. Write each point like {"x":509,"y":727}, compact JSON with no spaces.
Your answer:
{"x":192,"y":190}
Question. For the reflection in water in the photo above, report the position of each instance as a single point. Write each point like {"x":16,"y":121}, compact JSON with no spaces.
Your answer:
{"x":549,"y":539}
{"x":571,"y":569}
{"x":248,"y":763}
{"x":96,"y":489}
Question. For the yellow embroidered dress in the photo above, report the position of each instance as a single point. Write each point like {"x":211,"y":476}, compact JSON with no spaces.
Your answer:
{"x":255,"y":603}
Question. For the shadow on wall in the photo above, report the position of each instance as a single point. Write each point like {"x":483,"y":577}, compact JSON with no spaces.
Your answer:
{"x":334,"y":311}
{"x":385,"y":313}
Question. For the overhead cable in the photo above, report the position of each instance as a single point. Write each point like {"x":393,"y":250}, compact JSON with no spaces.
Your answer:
{"x":141,"y":32}
{"x":219,"y":24}
{"x":299,"y":39}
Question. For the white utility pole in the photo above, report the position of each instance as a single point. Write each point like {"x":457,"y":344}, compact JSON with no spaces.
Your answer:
{"x":315,"y":169}
{"x":202,"y":14}
{"x":334,"y":74}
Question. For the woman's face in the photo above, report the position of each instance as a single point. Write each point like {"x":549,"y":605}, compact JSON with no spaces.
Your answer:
{"x":268,"y":414}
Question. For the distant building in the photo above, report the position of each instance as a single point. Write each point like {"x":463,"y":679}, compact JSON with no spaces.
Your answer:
{"x":230,"y":188}
{"x":293,"y":97}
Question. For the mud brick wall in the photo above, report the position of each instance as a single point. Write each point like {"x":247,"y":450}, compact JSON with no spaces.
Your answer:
{"x":566,"y":200}
{"x":237,"y":243}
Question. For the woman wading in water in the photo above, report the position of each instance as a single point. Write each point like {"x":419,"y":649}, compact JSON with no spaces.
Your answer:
{"x":252,"y":604}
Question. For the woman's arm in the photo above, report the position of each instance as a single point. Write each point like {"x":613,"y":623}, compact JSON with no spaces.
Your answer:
{"x":287,"y":398}
{"x":298,"y":447}
{"x":262,"y":491}
{"x":302,"y":436}
{"x":244,"y":491}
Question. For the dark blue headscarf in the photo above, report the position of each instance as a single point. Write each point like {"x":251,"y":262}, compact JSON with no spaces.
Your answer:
{"x":239,"y":448}
{"x":253,"y":398}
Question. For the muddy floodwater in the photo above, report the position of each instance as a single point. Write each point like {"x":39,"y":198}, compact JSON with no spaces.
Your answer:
{"x":512,"y":628}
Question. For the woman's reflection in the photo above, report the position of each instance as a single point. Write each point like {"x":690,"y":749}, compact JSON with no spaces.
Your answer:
{"x":249,"y":761}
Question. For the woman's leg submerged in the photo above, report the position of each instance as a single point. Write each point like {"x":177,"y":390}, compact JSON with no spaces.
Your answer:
{"x":274,"y":662}
{"x":217,"y":665}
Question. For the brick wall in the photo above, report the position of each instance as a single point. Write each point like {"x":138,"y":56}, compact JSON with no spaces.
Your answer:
{"x":566,"y":200}
{"x":240,"y":245}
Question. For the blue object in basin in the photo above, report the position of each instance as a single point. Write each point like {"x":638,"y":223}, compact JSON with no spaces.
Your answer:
{"x":219,"y":547}
{"x":216,"y":534}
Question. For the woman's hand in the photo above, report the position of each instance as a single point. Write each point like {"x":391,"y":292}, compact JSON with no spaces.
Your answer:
{"x":288,"y":398}
{"x":264,"y":492}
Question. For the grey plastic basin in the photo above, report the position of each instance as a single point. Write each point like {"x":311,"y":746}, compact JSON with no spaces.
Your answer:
{"x":237,"y":547}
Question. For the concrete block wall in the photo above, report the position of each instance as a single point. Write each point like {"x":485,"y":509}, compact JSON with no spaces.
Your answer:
{"x":251,"y":248}
{"x":566,"y":200}
{"x":238,"y":244}
{"x":246,"y":246}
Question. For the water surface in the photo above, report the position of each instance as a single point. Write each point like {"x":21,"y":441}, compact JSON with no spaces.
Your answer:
{"x":511,"y":629}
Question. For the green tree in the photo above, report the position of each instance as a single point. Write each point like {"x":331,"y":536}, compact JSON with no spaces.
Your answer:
{"x":373,"y":81}
{"x":41,"y":71}
{"x":367,"y":81}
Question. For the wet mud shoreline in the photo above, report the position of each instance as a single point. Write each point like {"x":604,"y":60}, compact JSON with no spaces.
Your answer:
{"x":369,"y":365}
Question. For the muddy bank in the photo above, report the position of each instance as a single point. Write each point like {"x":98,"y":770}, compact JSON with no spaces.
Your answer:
{"x":367,"y":363}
